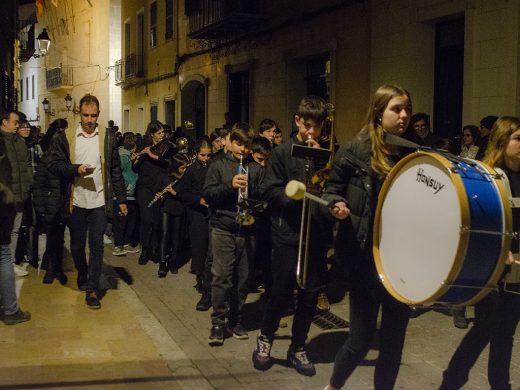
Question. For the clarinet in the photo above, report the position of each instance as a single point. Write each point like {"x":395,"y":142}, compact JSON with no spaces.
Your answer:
{"x":158,"y":196}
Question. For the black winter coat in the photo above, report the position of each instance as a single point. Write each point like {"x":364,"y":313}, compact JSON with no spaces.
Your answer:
{"x":222,"y":197}
{"x":353,"y":181}
{"x":285,"y":212}
{"x":191,"y":185}
{"x":21,"y":168}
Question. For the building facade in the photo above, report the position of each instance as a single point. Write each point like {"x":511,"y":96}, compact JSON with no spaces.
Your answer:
{"x":85,"y":43}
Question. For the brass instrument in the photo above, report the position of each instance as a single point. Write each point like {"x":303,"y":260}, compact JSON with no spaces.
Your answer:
{"x":244,"y":216}
{"x":314,"y":183}
{"x":182,"y":143}
{"x":305,"y":228}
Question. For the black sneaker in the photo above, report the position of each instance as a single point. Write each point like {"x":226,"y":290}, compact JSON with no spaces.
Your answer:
{"x":82,"y":281}
{"x":297,"y":358}
{"x":204,"y":303}
{"x":459,"y":318}
{"x":216,"y":336}
{"x":239,"y":332}
{"x":262,"y":359}
{"x":92,"y":300}
{"x":16,"y":318}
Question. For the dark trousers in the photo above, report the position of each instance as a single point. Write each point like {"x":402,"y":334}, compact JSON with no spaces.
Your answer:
{"x":496,"y":318}
{"x":150,"y":219}
{"x":207,"y":278}
{"x":171,"y":238}
{"x":25,"y":240}
{"x":93,"y":222}
{"x":123,"y":225}
{"x":54,"y":245}
{"x":367,"y":295}
{"x":230,"y":271}
{"x":283,"y":266}
{"x":199,"y":238}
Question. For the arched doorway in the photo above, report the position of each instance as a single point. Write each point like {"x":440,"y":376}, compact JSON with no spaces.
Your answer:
{"x":193,"y":108}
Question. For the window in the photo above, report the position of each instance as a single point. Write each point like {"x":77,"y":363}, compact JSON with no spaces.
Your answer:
{"x":21,"y":90}
{"x":32,"y":87}
{"x":26,"y":88}
{"x":153,"y":112}
{"x":168,"y":34}
{"x":153,"y":24}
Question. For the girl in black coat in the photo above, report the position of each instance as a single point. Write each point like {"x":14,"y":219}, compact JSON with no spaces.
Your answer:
{"x":49,"y":198}
{"x":190,"y":192}
{"x":172,"y":217}
{"x":151,"y":164}
{"x":357,"y":175}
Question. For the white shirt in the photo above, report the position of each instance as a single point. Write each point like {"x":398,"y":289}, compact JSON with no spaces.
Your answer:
{"x":88,"y":189}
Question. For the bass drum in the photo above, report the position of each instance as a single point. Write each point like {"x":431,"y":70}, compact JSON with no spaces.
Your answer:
{"x":442,"y":230}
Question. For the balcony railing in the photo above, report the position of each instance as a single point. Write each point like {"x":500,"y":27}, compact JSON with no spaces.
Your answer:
{"x":59,"y":78}
{"x":216,"y":19}
{"x":130,"y":67}
{"x":26,"y":38}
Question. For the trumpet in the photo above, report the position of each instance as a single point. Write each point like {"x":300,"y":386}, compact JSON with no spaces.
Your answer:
{"x":244,"y":216}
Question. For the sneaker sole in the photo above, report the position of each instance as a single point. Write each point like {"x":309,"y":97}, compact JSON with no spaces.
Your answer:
{"x":215,"y":342}
{"x":16,"y":322}
{"x":262,"y":367}
{"x":119,"y":254}
{"x":241,"y":336}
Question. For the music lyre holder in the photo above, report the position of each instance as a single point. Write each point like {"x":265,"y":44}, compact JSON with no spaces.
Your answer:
{"x":318,"y":155}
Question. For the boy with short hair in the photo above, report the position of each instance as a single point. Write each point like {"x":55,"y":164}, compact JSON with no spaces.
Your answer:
{"x":231,"y":241}
{"x":285,"y":224}
{"x":260,"y":150}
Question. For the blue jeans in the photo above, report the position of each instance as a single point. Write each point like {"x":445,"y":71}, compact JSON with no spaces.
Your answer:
{"x":7,"y":284}
{"x":94,"y":222}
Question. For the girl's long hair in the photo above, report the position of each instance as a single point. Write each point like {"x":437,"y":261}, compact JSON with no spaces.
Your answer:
{"x":499,"y":139}
{"x":372,"y":125}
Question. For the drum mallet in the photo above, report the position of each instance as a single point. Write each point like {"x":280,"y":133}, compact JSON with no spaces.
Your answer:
{"x":296,"y":190}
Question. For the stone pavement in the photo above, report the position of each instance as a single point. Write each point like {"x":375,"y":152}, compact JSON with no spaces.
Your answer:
{"x":148,"y":335}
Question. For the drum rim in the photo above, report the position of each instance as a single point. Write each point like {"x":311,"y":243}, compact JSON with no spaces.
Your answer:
{"x":506,"y":238}
{"x":464,"y":221}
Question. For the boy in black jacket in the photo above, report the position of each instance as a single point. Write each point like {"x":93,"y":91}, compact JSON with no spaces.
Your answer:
{"x":285,"y":224}
{"x":231,"y":241}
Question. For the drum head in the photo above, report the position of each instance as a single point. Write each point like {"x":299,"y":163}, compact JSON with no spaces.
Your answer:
{"x":417,"y":241}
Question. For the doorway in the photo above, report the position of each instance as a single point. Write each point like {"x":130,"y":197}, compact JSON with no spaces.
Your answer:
{"x":193,"y":109}
{"x":449,"y":75}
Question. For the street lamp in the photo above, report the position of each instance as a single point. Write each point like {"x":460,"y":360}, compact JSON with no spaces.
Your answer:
{"x":44,"y":42}
{"x":47,"y":107}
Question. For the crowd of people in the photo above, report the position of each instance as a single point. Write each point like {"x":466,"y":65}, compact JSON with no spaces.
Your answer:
{"x":220,"y":201}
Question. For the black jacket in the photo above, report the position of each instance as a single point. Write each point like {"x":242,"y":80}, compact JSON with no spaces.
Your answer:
{"x":7,"y":205}
{"x":191,"y":185}
{"x":20,"y":162}
{"x":353,"y":181}
{"x":49,"y":192}
{"x":59,"y":162}
{"x":222,"y":197}
{"x":285,"y":213}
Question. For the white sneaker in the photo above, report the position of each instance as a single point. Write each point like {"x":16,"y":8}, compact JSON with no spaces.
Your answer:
{"x":20,"y":271}
{"x":106,"y":239}
{"x":119,"y":251}
{"x":131,"y":249}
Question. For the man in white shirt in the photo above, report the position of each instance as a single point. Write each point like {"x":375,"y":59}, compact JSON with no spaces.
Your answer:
{"x":86,"y":157}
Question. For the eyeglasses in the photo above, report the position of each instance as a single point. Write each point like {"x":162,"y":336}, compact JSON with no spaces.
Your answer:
{"x":467,"y":135}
